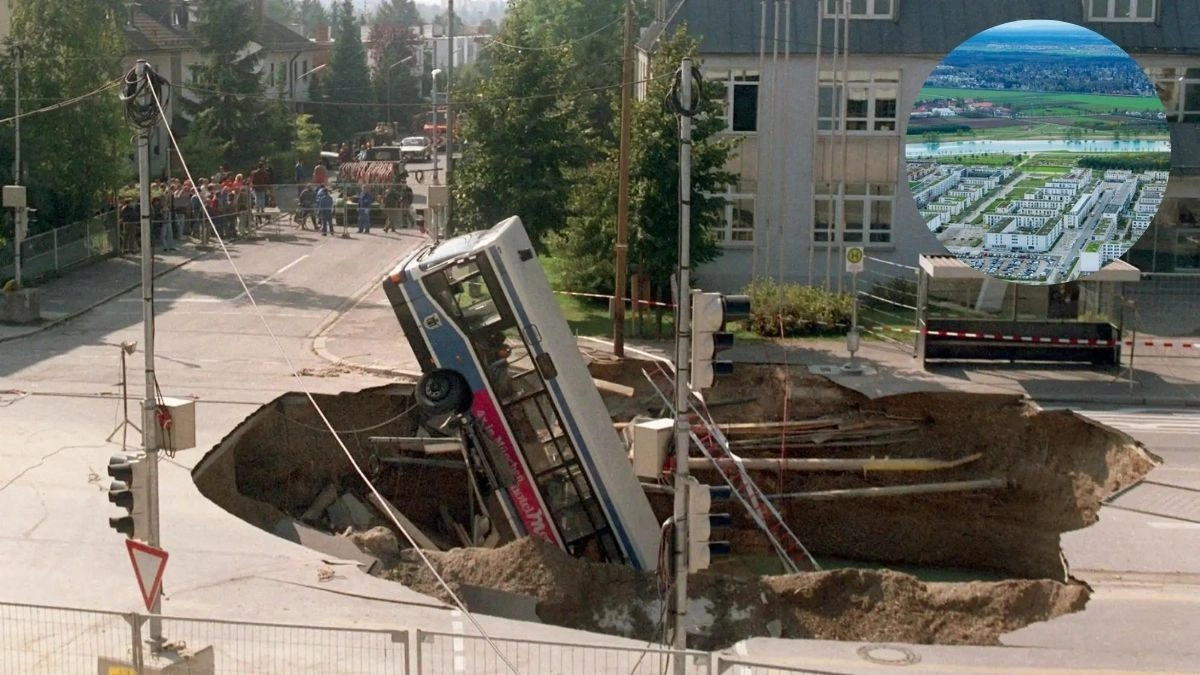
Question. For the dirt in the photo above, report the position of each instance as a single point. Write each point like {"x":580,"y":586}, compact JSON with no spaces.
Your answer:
{"x":852,"y":604}
{"x":1056,"y":466}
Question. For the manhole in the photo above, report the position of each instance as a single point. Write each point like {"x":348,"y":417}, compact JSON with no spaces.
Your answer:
{"x":889,"y":655}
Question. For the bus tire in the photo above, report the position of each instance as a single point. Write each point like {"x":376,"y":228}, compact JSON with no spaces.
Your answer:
{"x":443,"y":391}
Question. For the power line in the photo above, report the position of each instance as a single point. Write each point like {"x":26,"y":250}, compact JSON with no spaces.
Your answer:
{"x":64,"y":103}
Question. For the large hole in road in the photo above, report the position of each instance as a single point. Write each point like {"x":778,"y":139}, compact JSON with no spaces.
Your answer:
{"x":958,"y":567}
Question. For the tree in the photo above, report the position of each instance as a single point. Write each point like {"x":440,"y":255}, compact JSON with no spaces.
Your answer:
{"x":310,"y":14}
{"x":522,"y":139}
{"x":231,"y":122}
{"x":347,"y":83}
{"x":398,"y":91}
{"x":399,"y":12}
{"x":74,"y":154}
{"x":589,"y":239}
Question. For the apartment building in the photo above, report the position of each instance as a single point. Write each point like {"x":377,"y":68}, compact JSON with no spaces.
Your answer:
{"x":812,"y":181}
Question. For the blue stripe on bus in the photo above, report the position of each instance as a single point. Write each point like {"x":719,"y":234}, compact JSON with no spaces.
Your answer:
{"x":582,"y":450}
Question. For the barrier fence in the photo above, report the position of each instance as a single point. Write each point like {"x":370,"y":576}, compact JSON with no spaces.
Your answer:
{"x":50,"y":253}
{"x":886,"y":293}
{"x":48,"y":640}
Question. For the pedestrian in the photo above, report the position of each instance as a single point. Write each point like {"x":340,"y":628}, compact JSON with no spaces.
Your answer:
{"x":301,"y":177}
{"x":158,"y":215}
{"x":308,"y":200}
{"x":364,"y":210}
{"x":319,"y":173}
{"x":391,"y":208}
{"x":258,"y":185}
{"x":325,"y":210}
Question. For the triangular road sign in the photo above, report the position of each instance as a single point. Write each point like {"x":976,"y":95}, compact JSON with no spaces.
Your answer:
{"x":148,"y":563}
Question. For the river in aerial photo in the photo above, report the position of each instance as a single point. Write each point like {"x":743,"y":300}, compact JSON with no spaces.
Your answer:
{"x":1015,"y":147}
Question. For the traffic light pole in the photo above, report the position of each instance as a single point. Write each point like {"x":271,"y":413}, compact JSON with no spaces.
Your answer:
{"x":150,"y":425}
{"x":683,"y":340}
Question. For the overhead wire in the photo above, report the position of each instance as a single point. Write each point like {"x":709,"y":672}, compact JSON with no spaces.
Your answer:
{"x":64,"y":103}
{"x":567,"y":43}
{"x":309,"y":395}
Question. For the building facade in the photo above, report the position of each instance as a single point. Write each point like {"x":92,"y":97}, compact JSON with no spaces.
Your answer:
{"x":820,"y":106}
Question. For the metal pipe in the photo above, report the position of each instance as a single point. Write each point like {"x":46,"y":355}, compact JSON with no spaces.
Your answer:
{"x":897,"y":490}
{"x":834,"y":464}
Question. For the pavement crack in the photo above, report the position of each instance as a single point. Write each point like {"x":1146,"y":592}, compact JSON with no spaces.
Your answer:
{"x":41,"y":461}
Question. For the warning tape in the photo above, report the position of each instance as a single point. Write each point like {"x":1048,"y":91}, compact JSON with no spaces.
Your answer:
{"x":1091,"y":342}
{"x":601,"y":296}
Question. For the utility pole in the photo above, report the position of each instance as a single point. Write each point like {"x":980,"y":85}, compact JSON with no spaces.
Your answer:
{"x":622,"y":258}
{"x":150,"y":426}
{"x":683,"y":340}
{"x":449,"y":115}
{"x":21,"y":213}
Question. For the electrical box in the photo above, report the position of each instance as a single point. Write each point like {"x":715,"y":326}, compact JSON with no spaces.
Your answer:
{"x":14,"y":196}
{"x":651,"y":440}
{"x":180,"y":434}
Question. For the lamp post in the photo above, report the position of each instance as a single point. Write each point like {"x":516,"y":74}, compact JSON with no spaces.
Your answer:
{"x":433,"y":98}
{"x":390,"y":124}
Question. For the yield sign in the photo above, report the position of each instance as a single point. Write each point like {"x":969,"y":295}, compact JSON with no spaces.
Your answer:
{"x":148,"y":563}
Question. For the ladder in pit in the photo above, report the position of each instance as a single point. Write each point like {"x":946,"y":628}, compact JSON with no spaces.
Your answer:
{"x":714,"y":446}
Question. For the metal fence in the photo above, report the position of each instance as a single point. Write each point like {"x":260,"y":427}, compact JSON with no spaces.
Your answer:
{"x":886,"y":293}
{"x":50,"y":253}
{"x":46,"y":640}
{"x":438,"y":652}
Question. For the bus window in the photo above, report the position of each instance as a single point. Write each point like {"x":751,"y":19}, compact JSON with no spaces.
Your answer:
{"x":463,"y":293}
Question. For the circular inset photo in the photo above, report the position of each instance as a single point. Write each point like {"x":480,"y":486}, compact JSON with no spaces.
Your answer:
{"x":1038,"y":152}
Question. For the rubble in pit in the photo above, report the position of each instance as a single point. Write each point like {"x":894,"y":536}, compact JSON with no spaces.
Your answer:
{"x":282,"y":464}
{"x":851,"y":604}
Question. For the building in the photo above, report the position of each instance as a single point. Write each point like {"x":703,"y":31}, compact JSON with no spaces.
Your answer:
{"x":6,"y":12}
{"x":162,"y":33}
{"x":812,"y":183}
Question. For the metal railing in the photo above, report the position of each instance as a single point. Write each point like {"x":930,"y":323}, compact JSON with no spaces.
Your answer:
{"x":50,"y":253}
{"x":443,"y":652}
{"x":726,"y":665}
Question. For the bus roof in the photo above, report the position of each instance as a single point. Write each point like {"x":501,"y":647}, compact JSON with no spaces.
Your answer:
{"x":432,"y":256}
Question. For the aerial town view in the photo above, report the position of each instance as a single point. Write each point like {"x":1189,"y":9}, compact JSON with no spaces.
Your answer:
{"x":1038,"y":164}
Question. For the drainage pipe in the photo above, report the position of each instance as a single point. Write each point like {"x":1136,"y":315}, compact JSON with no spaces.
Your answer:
{"x":898,"y":490}
{"x":834,"y":464}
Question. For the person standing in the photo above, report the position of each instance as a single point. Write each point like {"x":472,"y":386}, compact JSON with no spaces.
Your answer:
{"x":258,"y":186}
{"x":319,"y":173}
{"x":301,"y":177}
{"x":325,"y":210}
{"x":365,"y":199}
{"x":391,"y":208}
{"x":308,"y":201}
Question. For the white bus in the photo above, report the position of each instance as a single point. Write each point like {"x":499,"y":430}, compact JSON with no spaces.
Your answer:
{"x":495,"y":350}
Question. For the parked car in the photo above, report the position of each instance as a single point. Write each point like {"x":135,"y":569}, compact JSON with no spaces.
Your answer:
{"x":416,"y":148}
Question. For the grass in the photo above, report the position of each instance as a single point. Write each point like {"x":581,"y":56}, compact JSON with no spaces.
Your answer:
{"x":1048,"y":103}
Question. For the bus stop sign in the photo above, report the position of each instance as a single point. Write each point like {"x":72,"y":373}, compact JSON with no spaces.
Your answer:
{"x":854,"y":259}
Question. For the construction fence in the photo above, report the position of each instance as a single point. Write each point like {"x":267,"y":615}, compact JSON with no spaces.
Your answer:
{"x":51,"y":253}
{"x":48,"y":640}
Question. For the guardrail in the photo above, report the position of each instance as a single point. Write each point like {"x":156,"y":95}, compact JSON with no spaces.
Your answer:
{"x":50,"y":253}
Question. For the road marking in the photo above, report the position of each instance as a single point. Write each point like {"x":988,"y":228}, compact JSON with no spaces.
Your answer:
{"x":1156,"y":421}
{"x":1159,"y":525}
{"x":271,"y":276}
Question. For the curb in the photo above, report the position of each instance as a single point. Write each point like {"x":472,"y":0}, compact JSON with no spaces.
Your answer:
{"x":109,"y":298}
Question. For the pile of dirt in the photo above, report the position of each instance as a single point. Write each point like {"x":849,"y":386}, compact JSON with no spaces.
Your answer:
{"x":862,"y":605}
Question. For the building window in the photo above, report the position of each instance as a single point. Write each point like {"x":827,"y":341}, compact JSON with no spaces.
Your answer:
{"x":867,"y":209}
{"x":860,"y":9}
{"x":737,"y":225}
{"x":1179,"y":91}
{"x":870,"y":99}
{"x":741,"y":98}
{"x":1121,"y":10}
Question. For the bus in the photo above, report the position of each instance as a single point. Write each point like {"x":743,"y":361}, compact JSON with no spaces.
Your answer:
{"x":497,"y":355}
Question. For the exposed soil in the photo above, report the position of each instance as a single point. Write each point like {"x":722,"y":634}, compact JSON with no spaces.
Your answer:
{"x":851,"y":604}
{"x":1056,"y":467}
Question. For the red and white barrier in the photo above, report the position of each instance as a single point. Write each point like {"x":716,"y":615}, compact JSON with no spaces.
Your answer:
{"x":1038,"y":339}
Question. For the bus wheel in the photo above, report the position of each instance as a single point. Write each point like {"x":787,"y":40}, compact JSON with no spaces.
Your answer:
{"x":443,"y":391}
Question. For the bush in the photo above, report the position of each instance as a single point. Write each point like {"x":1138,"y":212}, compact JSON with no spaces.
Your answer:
{"x":803,"y":310}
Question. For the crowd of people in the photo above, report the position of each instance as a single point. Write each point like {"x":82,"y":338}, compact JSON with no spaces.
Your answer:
{"x":232,"y":200}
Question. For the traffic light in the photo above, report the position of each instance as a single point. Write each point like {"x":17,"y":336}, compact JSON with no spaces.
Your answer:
{"x":130,"y":491}
{"x":710,"y":312}
{"x":701,"y":522}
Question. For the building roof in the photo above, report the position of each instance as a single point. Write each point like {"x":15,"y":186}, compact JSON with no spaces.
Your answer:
{"x":920,"y":27}
{"x":147,"y":32}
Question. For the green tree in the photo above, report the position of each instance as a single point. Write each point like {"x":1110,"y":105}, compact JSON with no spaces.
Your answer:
{"x":398,"y":91}
{"x":399,"y":12}
{"x":310,"y":14}
{"x":307,"y":145}
{"x":347,"y":83}
{"x":589,"y":239}
{"x":522,"y":139}
{"x":232,"y":123}
{"x":74,"y":154}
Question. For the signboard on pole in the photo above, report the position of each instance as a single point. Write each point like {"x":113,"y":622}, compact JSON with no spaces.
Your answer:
{"x":148,"y":564}
{"x":854,"y":259}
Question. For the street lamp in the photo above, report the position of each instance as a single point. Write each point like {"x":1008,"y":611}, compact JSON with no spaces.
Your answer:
{"x":389,"y":91}
{"x":433,"y":97}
